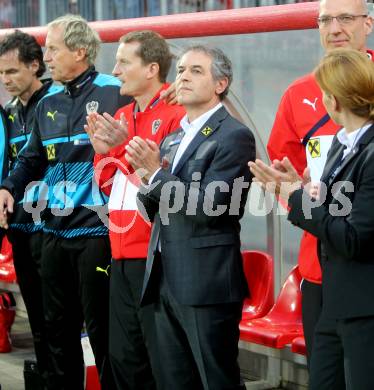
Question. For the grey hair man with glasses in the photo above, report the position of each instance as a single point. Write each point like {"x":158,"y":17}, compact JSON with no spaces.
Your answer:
{"x":303,"y":131}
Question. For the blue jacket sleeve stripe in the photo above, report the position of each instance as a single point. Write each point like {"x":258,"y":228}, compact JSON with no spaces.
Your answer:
{"x":61,"y":140}
{"x":103,"y":80}
{"x":19,"y":138}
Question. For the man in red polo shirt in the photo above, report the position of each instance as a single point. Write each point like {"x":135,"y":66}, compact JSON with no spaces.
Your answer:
{"x":142,"y":63}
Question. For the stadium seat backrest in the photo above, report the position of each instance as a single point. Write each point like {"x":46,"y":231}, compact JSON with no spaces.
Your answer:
{"x":288,"y":303}
{"x":259,"y":272}
{"x":6,"y":247}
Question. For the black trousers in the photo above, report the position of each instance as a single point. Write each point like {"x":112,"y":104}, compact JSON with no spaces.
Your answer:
{"x":336,"y":341}
{"x":129,"y":327}
{"x":197,"y":345}
{"x":27,"y":264}
{"x":76,"y":289}
{"x":311,"y":310}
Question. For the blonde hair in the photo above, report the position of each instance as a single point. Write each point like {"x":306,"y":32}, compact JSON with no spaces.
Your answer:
{"x":349,"y":76}
{"x":78,"y":34}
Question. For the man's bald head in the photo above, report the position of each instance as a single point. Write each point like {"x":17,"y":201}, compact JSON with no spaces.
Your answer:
{"x":360,"y":4}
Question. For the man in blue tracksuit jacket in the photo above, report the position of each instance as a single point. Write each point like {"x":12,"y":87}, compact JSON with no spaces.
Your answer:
{"x":3,"y":145}
{"x":21,"y":66}
{"x":76,"y":251}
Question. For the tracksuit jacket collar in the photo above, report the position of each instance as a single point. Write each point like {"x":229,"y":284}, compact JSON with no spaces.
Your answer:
{"x":35,"y":97}
{"x":73,"y":87}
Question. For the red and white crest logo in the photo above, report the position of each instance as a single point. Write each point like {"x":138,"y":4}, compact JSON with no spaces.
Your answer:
{"x":156,"y":125}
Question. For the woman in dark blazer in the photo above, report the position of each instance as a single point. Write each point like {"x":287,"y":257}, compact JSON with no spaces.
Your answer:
{"x":341,"y":216}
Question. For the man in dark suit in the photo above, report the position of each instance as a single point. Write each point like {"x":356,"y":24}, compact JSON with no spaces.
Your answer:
{"x":194,"y":273}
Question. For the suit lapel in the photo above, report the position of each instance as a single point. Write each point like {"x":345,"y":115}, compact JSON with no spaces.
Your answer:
{"x":205,"y":132}
{"x":334,"y":157}
{"x":363,"y":141}
{"x":345,"y":162}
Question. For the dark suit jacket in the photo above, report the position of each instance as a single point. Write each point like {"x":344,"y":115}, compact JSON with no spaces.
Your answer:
{"x":346,"y":241}
{"x":201,"y":258}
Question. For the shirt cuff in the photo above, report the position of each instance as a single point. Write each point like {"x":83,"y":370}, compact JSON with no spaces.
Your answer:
{"x":150,"y":181}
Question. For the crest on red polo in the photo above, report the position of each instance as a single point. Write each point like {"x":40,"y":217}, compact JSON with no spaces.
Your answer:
{"x":156,"y":125}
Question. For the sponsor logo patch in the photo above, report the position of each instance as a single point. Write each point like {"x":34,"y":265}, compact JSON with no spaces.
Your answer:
{"x":206,"y":131}
{"x":314,"y":147}
{"x":51,"y":152}
{"x":13,"y":150}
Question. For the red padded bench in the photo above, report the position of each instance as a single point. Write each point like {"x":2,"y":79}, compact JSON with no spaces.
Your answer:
{"x":283,"y":322}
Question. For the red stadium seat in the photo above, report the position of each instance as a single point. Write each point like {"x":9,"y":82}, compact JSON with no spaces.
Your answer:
{"x":6,"y":253}
{"x":283,"y":322}
{"x":298,"y":346}
{"x":7,"y":272}
{"x":259,"y":272}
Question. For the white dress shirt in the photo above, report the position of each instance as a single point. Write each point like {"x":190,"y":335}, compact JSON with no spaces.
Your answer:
{"x":350,"y":140}
{"x":190,"y":131}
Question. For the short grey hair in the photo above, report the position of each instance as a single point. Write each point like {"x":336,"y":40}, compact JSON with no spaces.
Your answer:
{"x":221,"y":64}
{"x":78,"y":34}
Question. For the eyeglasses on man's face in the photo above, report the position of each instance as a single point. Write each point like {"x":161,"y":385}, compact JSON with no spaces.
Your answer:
{"x":343,"y":19}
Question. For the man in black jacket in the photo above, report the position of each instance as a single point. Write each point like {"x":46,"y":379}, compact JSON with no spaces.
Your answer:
{"x":76,"y":251}
{"x":341,"y":216}
{"x":21,"y":66}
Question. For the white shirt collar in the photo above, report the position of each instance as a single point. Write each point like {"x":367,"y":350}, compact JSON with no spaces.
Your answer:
{"x":349,"y":140}
{"x":193,"y":127}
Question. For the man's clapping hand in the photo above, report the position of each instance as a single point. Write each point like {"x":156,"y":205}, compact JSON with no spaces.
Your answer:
{"x":105,"y":132}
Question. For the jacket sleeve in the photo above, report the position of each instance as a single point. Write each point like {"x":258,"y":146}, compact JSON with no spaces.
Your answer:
{"x":4,"y":147}
{"x":284,"y":139}
{"x":350,"y":234}
{"x":118,"y":153}
{"x":146,"y":205}
{"x":30,"y":166}
{"x":107,"y":164}
{"x":104,"y":172}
